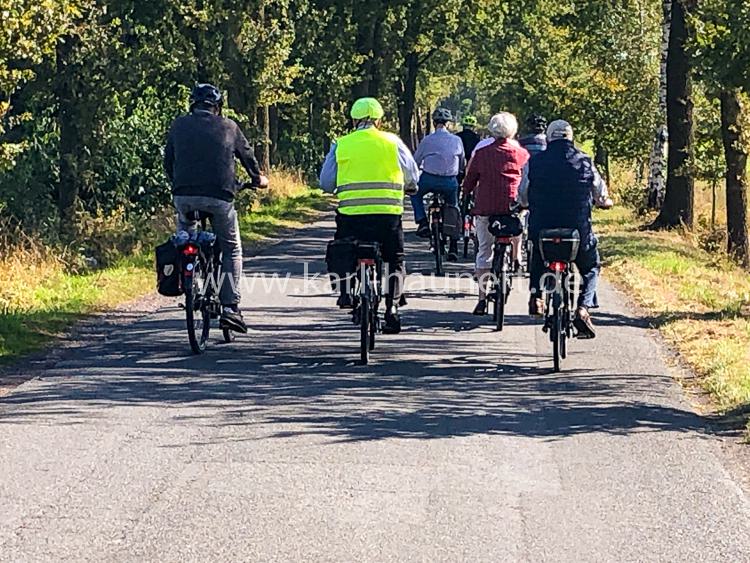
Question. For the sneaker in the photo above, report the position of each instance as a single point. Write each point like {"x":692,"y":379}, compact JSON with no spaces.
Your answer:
{"x":392,"y":322}
{"x":231,"y":318}
{"x":536,"y":306}
{"x":583,"y":324}
{"x":345,"y":301}
{"x":481,"y":309}
{"x":423,"y":229}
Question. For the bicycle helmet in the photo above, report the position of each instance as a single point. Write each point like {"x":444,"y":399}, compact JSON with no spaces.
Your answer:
{"x":469,"y":121}
{"x":442,"y":115}
{"x":536,"y":123}
{"x":206,"y":94}
{"x":367,"y":108}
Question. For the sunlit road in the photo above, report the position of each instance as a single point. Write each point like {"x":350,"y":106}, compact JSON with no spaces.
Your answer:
{"x":456,"y":444}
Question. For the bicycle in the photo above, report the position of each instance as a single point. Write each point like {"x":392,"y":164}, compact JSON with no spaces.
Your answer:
{"x":503,"y":228}
{"x":437,"y":240}
{"x":469,"y":226}
{"x":368,"y":293}
{"x":200,"y":264}
{"x":559,"y":249}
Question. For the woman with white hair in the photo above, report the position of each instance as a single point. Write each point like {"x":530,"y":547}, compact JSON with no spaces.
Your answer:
{"x":493,"y":176}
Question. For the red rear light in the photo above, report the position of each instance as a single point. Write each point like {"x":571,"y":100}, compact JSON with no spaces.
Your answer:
{"x":504,"y":240}
{"x":558,"y":266}
{"x":366,"y":262}
{"x":190,"y":250}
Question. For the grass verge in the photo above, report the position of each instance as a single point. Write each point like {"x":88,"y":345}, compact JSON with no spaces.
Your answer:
{"x":40,"y":297}
{"x":700,"y":301}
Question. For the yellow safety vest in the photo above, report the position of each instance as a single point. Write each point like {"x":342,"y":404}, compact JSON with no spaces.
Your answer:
{"x":370,"y":180}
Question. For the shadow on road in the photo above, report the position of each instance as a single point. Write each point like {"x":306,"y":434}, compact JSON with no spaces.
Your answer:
{"x":295,"y":374}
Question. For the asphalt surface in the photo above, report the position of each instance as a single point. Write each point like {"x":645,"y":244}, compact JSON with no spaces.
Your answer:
{"x":456,"y":444}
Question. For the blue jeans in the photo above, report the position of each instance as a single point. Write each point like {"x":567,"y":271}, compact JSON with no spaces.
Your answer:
{"x":589,"y":265}
{"x":447,"y":186}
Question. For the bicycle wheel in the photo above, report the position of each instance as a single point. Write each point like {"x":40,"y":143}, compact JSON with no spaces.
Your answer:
{"x":197,"y":313}
{"x":466,"y":247}
{"x":364,"y":331}
{"x":500,"y":300}
{"x":373,"y":325}
{"x":229,"y":335}
{"x":438,"y":248}
{"x":557,"y":338}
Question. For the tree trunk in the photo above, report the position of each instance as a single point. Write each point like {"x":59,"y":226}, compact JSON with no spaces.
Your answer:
{"x":273,"y":128}
{"x":678,"y":201}
{"x":263,"y":147}
{"x":407,"y":94}
{"x":656,"y":162}
{"x":601,"y":159}
{"x":736,"y":157}
{"x":69,"y":184}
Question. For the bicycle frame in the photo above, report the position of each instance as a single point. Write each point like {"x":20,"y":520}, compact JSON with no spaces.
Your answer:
{"x":502,"y":278}
{"x":435,"y":214}
{"x":559,"y":309}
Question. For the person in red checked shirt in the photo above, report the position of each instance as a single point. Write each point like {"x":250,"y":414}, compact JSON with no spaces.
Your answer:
{"x":493,"y":176}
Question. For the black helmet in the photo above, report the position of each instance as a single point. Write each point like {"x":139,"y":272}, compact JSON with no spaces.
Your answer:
{"x":442,"y":115}
{"x":536,"y":123}
{"x":206,"y":94}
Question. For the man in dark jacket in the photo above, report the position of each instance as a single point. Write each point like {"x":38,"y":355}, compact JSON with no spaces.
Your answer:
{"x":199,"y":160}
{"x":560,"y":191}
{"x":535,"y":138}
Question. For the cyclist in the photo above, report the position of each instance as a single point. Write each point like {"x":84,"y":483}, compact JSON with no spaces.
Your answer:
{"x":562,"y":187}
{"x":369,"y":170}
{"x":468,"y":135}
{"x":441,"y":157}
{"x":535,"y":140}
{"x":199,"y":160}
{"x":493,"y":176}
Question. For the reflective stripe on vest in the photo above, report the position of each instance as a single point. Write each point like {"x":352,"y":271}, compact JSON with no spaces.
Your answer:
{"x":370,"y":180}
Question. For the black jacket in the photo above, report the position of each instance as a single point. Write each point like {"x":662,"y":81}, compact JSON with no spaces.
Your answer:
{"x":200,"y":153}
{"x":470,"y":140}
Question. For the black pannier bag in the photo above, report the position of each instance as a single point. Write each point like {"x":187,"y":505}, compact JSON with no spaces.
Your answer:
{"x":368,"y":251}
{"x":453,"y":225}
{"x":559,"y":245}
{"x":505,"y":225}
{"x":168,"y":270}
{"x":341,"y":258}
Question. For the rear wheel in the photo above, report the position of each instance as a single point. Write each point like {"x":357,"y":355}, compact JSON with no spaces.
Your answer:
{"x":364,"y":331}
{"x":558,"y":336}
{"x":196,"y":311}
{"x":500,"y":299}
{"x":229,"y":335}
{"x":438,"y":247}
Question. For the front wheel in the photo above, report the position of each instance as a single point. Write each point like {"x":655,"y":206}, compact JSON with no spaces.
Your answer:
{"x":197,"y":314}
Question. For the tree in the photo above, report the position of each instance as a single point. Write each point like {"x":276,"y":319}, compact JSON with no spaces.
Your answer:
{"x":656,"y":163}
{"x":722,"y":52}
{"x":677,"y":208}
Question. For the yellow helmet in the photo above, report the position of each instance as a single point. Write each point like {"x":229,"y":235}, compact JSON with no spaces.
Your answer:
{"x":367,"y":108}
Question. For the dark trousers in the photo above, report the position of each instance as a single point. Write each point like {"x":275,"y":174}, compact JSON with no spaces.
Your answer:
{"x":589,"y":266}
{"x":386,"y":230}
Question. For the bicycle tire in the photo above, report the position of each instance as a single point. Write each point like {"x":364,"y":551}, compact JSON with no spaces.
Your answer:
{"x":364,"y":330}
{"x":373,"y":326}
{"x":500,"y":306}
{"x":198,"y":320}
{"x":466,"y":247}
{"x":438,"y":248}
{"x":556,"y":340}
{"x":229,"y":335}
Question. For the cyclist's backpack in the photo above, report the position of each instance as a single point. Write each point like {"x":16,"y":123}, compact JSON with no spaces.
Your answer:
{"x":505,"y":225}
{"x":341,"y":258}
{"x":168,"y":270}
{"x":453,"y":224}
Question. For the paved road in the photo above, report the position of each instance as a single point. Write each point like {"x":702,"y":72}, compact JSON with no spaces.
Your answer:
{"x":458,"y":444}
